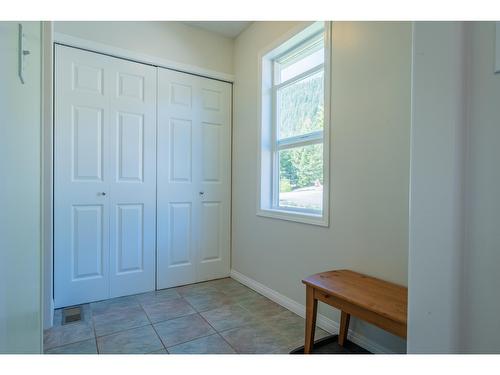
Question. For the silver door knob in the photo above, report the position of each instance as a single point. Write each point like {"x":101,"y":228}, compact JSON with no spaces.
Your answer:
{"x":103,"y":193}
{"x":202,"y":192}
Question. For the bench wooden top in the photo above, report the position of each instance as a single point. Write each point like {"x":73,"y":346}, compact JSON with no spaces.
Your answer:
{"x":381,"y":297}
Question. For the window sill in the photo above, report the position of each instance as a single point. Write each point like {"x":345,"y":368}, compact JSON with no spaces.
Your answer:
{"x":294,"y":216}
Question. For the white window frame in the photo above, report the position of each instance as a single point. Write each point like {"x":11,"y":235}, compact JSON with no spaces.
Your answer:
{"x":269,"y":145}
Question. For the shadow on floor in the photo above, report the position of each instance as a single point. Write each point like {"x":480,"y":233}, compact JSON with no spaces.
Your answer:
{"x":329,"y":345}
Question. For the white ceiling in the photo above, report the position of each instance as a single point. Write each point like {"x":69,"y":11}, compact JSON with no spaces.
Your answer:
{"x":230,"y":29}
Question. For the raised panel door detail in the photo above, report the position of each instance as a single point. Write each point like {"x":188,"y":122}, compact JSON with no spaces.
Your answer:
{"x":193,"y":188}
{"x":210,"y":231}
{"x":130,"y":147}
{"x":211,"y":99}
{"x":179,"y":234}
{"x":181,"y":94}
{"x":87,"y":130}
{"x":130,"y":86}
{"x":87,"y":241}
{"x":130,"y":238}
{"x":87,"y":78}
{"x":210,"y":157}
{"x":180,"y":150}
{"x":104,"y":176}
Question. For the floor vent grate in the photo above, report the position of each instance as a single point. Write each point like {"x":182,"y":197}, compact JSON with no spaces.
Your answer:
{"x":72,"y":314}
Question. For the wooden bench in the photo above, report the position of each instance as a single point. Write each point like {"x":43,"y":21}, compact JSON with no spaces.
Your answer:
{"x":378,"y":302}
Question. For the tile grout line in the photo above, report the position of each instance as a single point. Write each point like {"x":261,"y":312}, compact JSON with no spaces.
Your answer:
{"x":139,"y":304}
{"x":127,"y":329}
{"x":96,"y":337}
{"x":219,"y":333}
{"x":123,"y":330}
{"x":154,"y":329}
{"x":257,"y":318}
{"x":219,"y":288}
{"x":73,"y":342}
{"x":261,"y":320}
{"x":93,"y":329}
{"x":216,"y":331}
{"x":182,"y":316}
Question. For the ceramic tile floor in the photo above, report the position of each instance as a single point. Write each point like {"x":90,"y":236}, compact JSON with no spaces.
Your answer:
{"x":220,"y":316}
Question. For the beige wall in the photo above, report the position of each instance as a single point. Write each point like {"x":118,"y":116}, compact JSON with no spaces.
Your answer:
{"x":370,"y":138}
{"x":172,"y":41}
{"x":20,"y":242}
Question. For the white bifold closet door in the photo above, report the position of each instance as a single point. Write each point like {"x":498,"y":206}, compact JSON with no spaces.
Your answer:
{"x":194,"y":178}
{"x":105,"y":177}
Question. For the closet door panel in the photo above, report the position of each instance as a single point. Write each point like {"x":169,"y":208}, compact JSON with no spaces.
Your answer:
{"x":214,"y":179}
{"x":105,"y":177}
{"x":81,"y":174}
{"x":177,"y":209}
{"x":193,"y":179}
{"x":133,"y":178}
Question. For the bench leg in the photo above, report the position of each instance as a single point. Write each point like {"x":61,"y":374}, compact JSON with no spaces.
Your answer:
{"x":311,"y":309}
{"x":344,"y":327}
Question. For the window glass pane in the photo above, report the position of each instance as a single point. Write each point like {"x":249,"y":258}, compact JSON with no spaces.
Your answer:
{"x":301,"y":177}
{"x":308,"y":62}
{"x":300,"y":106}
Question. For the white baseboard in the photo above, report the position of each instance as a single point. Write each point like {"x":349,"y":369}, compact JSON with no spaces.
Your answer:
{"x":322,"y":321}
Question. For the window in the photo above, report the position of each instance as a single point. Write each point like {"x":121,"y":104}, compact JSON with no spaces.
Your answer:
{"x":294,"y":132}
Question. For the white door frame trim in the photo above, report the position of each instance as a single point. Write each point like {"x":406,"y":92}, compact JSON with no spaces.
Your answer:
{"x":127,"y":54}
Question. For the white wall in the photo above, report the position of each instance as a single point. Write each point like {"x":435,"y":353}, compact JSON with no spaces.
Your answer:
{"x":481,"y":298}
{"x":370,"y":138}
{"x":20,"y":243}
{"x":437,"y":172}
{"x":172,"y":41}
{"x":455,"y":180}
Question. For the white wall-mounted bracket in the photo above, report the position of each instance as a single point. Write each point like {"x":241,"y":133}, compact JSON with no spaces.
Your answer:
{"x":22,"y":53}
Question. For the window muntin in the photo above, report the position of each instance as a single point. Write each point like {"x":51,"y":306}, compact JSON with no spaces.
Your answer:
{"x":298,"y":94}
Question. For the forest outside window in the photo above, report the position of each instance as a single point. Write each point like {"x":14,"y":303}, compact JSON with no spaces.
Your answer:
{"x":294,"y":162}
